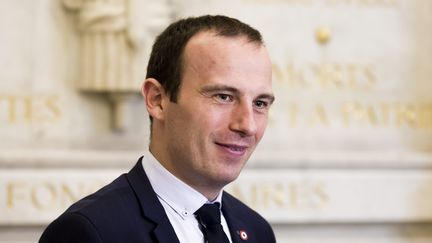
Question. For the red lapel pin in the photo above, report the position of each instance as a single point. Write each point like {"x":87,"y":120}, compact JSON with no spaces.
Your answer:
{"x":243,"y":235}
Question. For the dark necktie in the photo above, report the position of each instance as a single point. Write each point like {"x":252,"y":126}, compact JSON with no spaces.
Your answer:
{"x":210,"y":223}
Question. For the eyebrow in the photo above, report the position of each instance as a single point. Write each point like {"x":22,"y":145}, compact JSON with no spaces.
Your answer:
{"x":269,"y":97}
{"x":218,"y":87}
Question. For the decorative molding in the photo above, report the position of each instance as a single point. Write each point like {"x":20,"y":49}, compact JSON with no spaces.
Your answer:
{"x":283,"y":196}
{"x":261,"y":159}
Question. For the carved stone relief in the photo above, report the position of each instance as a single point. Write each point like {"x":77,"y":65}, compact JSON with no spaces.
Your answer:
{"x":113,"y":36}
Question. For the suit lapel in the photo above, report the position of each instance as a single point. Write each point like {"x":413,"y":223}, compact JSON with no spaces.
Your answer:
{"x":150,"y":205}
{"x":238,"y":228}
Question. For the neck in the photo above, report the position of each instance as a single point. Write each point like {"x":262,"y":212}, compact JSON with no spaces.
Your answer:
{"x":209,"y":191}
{"x":211,"y":195}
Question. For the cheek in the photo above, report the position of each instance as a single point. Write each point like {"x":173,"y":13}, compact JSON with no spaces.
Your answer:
{"x":261,"y":126}
{"x":179,"y":125}
{"x":212,"y":117}
{"x":194,"y":125}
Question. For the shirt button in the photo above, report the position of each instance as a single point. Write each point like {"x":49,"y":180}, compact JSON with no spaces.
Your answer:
{"x":185,"y":213}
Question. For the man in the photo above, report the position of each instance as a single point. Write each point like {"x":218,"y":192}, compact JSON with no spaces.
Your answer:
{"x":208,"y":91}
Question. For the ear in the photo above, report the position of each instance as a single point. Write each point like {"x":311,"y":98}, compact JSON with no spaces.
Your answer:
{"x":153,"y":94}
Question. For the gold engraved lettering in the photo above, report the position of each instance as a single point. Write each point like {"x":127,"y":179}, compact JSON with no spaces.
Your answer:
{"x":385,"y":114}
{"x":253,"y":195}
{"x":355,"y":112}
{"x":296,"y":76}
{"x":291,"y":75}
{"x":307,"y":195}
{"x":370,"y":77}
{"x":327,"y":76}
{"x":12,"y":109}
{"x":406,"y":115}
{"x":351,"y":76}
{"x":273,"y":194}
{"x":300,"y":197}
{"x":425,"y":116}
{"x":28,"y":108}
{"x":235,"y":190}
{"x":319,"y":116}
{"x":296,"y":195}
{"x":417,"y":116}
{"x":292,"y":195}
{"x":320,"y":196}
{"x":246,"y":194}
{"x":67,"y":196}
{"x":44,"y":196}
{"x":372,"y":118}
{"x":51,"y":103}
{"x":314,"y":195}
{"x":347,"y":110}
{"x":15,"y":191}
{"x":359,"y":77}
{"x":31,"y":109}
{"x":295,"y":198}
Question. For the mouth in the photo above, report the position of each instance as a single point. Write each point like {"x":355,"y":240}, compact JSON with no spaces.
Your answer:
{"x":233,"y":148}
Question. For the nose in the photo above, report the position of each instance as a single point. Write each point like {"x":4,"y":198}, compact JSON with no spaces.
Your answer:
{"x":243,"y":120}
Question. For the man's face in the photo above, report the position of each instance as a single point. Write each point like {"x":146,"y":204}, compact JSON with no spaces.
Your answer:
{"x":221,"y":111}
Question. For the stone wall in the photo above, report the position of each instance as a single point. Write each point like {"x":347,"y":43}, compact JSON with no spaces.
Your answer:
{"x":347,"y":156}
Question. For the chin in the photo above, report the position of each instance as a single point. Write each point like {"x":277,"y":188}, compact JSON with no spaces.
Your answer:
{"x":229,"y":177}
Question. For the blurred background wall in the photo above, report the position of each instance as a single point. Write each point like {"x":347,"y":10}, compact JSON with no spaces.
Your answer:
{"x":347,"y":156}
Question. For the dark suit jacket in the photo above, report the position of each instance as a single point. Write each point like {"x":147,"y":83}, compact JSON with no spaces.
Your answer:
{"x":128,"y":210}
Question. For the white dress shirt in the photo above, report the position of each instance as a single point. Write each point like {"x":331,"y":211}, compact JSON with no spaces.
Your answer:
{"x":179,"y":200}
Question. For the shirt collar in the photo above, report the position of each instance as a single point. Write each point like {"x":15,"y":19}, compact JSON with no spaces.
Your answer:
{"x":182,"y":198}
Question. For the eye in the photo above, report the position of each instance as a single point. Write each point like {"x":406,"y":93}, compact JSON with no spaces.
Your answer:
{"x":261,"y":104}
{"x":224,"y":97}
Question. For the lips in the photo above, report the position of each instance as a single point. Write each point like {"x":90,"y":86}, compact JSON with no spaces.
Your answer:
{"x":233,"y":148}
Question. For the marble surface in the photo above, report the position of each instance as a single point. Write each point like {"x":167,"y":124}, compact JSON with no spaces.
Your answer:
{"x":364,"y":90}
{"x":36,"y":197}
{"x":347,"y":156}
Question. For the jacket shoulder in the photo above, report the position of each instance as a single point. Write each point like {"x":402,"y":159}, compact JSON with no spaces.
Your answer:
{"x":252,"y":220}
{"x":71,"y":227}
{"x":104,"y":216}
{"x":242,"y":210}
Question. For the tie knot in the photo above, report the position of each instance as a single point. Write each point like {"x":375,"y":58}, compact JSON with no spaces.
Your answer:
{"x":209,"y":214}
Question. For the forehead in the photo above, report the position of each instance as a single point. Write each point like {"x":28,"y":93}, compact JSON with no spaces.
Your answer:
{"x":210,"y":45}
{"x":208,"y":56}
